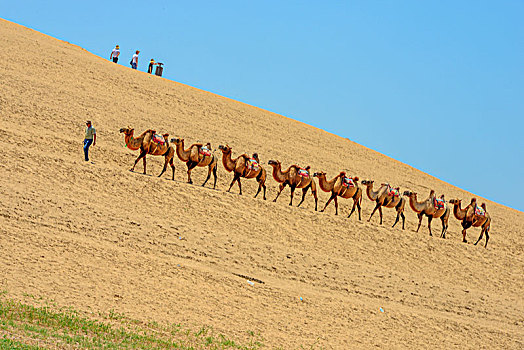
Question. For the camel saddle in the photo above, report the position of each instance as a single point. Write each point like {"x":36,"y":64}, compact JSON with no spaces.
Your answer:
{"x":394,"y":192}
{"x":479,"y":211}
{"x":206,"y":152}
{"x":303,"y":172}
{"x":159,"y":139}
{"x":252,"y":164}
{"x":348,"y":181}
{"x":438,"y":203}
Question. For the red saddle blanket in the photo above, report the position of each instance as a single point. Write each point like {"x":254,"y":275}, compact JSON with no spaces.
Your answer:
{"x":394,"y":192}
{"x":205,"y":151}
{"x":252,"y":164}
{"x":158,"y":139}
{"x":348,"y":182}
{"x":439,"y":203}
{"x":479,"y":211}
{"x":303,"y":172}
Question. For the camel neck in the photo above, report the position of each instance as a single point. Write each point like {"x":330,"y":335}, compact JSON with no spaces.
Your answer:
{"x":181,"y":153}
{"x":416,"y":205}
{"x":132,"y":143}
{"x":458,"y":211}
{"x":228,"y":163}
{"x":277,"y":173}
{"x":372,"y":195}
{"x":326,"y":185}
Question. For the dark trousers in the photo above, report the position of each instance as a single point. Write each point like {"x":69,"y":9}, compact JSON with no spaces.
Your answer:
{"x":115,"y":59}
{"x":150,"y":68}
{"x":87,"y":143}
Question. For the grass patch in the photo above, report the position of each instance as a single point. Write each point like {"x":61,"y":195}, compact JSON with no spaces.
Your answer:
{"x":23,"y":325}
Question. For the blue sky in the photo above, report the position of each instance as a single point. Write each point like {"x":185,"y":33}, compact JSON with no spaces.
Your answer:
{"x":438,"y":85}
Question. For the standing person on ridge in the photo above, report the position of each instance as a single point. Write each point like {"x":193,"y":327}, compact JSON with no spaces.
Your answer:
{"x":134,"y":60}
{"x":115,"y":53}
{"x":151,"y":64}
{"x":89,"y":139}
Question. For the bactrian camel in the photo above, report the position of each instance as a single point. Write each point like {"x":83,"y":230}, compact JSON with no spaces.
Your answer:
{"x":429,"y":209}
{"x":386,"y":197}
{"x":147,"y":145}
{"x":239,"y":168}
{"x":471,"y":216}
{"x":340,"y":188}
{"x":295,"y":178}
{"x":193,"y":158}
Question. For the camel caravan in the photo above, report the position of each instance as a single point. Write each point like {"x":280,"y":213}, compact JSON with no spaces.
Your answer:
{"x":341,"y":186}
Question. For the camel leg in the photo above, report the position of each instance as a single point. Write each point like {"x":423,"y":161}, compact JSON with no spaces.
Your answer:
{"x":403,"y":219}
{"x":444,"y":227}
{"x":215,"y":176}
{"x":373,"y":212}
{"x":359,"y":209}
{"x":292,"y":193}
{"x":232,"y":182}
{"x":314,"y":192}
{"x":396,"y":220}
{"x":209,"y":170}
{"x":165,"y":167}
{"x":487,"y":237}
{"x":264,"y":187}
{"x":190,"y":166}
{"x":304,"y":191}
{"x":380,"y":212}
{"x":258,"y":190}
{"x":429,"y":224}
{"x":353,"y":209}
{"x":144,"y":161}
{"x":142,"y":155}
{"x":481,"y":235}
{"x":239,"y":185}
{"x":172,"y":168}
{"x":333,"y":196}
{"x":465,"y":226}
{"x":281,"y":187}
{"x":419,"y":215}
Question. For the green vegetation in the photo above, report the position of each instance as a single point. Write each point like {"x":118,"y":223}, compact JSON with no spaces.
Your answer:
{"x":24,"y":326}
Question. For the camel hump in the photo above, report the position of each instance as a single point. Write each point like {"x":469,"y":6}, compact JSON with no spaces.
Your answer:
{"x":194,"y":153}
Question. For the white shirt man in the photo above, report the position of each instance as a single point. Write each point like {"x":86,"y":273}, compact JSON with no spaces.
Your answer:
{"x":134,"y":60}
{"x":115,"y":53}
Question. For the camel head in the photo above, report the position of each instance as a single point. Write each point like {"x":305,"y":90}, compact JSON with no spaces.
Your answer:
{"x":473,"y":201}
{"x":483,"y":206}
{"x":355,"y":179}
{"x":342,"y":174}
{"x":410,"y":194}
{"x":273,"y":162}
{"x":127,"y":131}
{"x":367,"y":182}
{"x":225,"y":149}
{"x":455,"y":201}
{"x":432,"y":193}
{"x":177,"y":141}
{"x":319,"y":174}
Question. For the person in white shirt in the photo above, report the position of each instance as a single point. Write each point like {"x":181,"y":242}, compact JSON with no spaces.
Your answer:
{"x":90,"y":139}
{"x":115,"y":53}
{"x":134,"y":60}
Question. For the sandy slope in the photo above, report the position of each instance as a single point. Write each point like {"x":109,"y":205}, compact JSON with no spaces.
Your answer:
{"x":98,"y":237}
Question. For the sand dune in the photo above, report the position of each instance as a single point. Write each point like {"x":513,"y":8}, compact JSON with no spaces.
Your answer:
{"x":98,"y":237}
